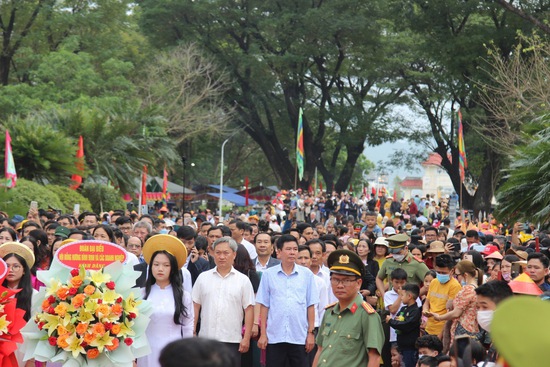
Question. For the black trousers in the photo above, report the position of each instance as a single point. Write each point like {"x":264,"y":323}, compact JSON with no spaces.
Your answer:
{"x":286,"y":354}
{"x":234,"y":347}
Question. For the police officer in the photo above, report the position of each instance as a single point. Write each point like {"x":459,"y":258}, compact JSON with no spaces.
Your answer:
{"x":400,"y":257}
{"x":351,"y":332}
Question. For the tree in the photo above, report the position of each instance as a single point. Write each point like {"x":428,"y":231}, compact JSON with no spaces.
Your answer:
{"x":41,"y":153}
{"x":525,"y":195}
{"x":17,"y":200}
{"x":331,"y":58}
{"x":103,"y":197}
{"x":187,"y":88}
{"x":117,"y":144}
{"x":443,"y":69}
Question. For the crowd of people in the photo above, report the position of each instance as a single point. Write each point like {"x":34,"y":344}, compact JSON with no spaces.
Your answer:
{"x":305,"y":281}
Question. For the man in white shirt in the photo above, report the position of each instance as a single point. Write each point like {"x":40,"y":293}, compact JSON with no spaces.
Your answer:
{"x":225,"y":296}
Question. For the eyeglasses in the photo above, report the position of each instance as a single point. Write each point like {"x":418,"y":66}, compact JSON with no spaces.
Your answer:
{"x":125,"y":228}
{"x":15,"y":267}
{"x":344,"y":282}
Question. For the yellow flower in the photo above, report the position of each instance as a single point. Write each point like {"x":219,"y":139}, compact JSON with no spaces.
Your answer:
{"x":84,"y":316}
{"x":110,"y":296}
{"x":125,"y":330}
{"x":130,"y":304}
{"x":4,"y":325}
{"x":98,"y":277}
{"x":51,"y":322}
{"x":90,"y":306}
{"x":101,"y":341}
{"x":52,"y":289}
{"x":75,"y":346}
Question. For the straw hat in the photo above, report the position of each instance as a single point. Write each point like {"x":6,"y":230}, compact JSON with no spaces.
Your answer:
{"x":19,"y":249}
{"x":523,"y":284}
{"x":436,"y":247}
{"x":495,"y":255}
{"x":168,"y":243}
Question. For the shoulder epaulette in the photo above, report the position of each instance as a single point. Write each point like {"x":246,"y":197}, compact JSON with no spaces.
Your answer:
{"x":370,"y":310}
{"x":331,"y":305}
{"x":418,"y":259}
{"x":389,"y":257}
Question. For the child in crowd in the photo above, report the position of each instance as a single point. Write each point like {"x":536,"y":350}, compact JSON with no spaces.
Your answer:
{"x":407,"y":323}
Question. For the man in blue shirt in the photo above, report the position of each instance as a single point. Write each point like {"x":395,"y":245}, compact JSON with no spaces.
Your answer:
{"x":287,"y":298}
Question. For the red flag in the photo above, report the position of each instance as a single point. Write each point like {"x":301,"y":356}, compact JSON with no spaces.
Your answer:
{"x":394,"y":195}
{"x":144,"y":186}
{"x":246,"y":191}
{"x":164,"y":186}
{"x":320,"y":186}
{"x":365,"y":191}
{"x":373,"y":191}
{"x":350,"y":188}
{"x":79,"y":164}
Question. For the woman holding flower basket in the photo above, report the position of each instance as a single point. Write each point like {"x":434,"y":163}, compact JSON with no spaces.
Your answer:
{"x":172,"y":316}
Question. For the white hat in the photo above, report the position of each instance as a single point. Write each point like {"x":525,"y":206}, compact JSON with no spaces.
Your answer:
{"x":397,"y":214}
{"x":389,"y":230}
{"x":381,"y":241}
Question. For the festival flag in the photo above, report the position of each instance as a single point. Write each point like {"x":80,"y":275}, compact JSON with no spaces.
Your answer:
{"x":365,"y":191}
{"x":394,"y":195}
{"x":246,"y":182}
{"x":373,"y":191}
{"x":164,"y":186}
{"x":462,"y":162}
{"x":144,"y":186}
{"x":320,"y":186}
{"x":79,"y":164}
{"x":9,"y":164}
{"x":300,"y":147}
{"x":350,"y":188}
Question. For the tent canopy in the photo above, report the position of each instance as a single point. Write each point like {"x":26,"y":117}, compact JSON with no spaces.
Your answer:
{"x":238,"y":200}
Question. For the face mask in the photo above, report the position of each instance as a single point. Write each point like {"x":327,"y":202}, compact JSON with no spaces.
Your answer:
{"x":420,"y":356}
{"x":484,"y":319}
{"x":463,"y":283}
{"x":443,"y":278}
{"x":506,"y":276}
{"x":398,"y":257}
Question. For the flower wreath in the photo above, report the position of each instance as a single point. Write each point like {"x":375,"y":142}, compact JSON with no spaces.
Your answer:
{"x":92,"y":319}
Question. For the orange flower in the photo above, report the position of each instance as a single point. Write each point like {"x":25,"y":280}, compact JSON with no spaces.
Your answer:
{"x":76,"y":281}
{"x":89,"y":338}
{"x":89,"y":290}
{"x":60,"y":310}
{"x":114,"y":346}
{"x":116,"y":309}
{"x":78,"y":300}
{"x":62,"y":341}
{"x":61,"y":330}
{"x":63,"y":293}
{"x":102,"y":309}
{"x":92,"y":353}
{"x":45,"y":304}
{"x":98,"y":329}
{"x":81,"y":328}
{"x":115,"y":329}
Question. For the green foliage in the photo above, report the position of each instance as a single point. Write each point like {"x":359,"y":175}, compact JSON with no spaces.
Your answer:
{"x":525,"y":195}
{"x":69,"y":198}
{"x":103,"y":197}
{"x":41,"y":153}
{"x":17,"y":200}
{"x":118,"y":143}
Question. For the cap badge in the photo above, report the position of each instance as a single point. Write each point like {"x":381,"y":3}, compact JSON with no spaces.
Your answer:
{"x":344,"y":259}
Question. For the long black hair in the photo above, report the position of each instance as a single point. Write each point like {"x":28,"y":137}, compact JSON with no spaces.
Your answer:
{"x":40,"y":250}
{"x":176,"y":281}
{"x":24,"y":297}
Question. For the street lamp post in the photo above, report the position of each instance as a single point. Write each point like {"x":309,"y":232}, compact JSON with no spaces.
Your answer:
{"x":184,"y":160}
{"x":221,"y":177}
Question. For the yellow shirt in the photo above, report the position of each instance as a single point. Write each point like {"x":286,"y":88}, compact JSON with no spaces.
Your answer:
{"x":438,"y":295}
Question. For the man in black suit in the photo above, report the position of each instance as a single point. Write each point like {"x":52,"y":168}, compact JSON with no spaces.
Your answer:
{"x":264,"y":249}
{"x":195,"y":264}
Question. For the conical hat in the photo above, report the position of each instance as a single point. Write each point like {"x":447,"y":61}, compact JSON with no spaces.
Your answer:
{"x":523,"y":284}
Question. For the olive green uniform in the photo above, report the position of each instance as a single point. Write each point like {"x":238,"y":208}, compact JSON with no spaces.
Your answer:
{"x":346,"y":335}
{"x":416,"y":270}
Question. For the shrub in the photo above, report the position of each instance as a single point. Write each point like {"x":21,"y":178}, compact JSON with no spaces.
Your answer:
{"x":17,"y":200}
{"x":69,"y":198}
{"x":103,"y":197}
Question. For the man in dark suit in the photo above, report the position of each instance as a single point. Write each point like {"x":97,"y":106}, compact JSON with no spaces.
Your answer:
{"x":264,"y":249}
{"x":195,"y":264}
